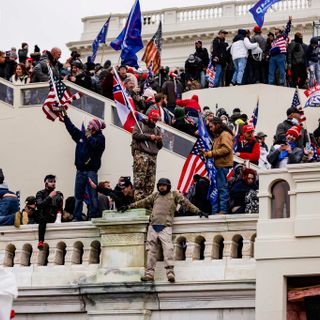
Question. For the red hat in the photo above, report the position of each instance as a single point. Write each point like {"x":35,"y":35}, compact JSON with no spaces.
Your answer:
{"x":294,"y":131}
{"x":256,"y":29}
{"x":154,"y":114}
{"x":247,"y":128}
{"x":172,"y":75}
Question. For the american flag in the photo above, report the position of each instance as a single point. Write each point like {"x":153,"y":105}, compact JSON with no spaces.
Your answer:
{"x":210,"y":75}
{"x":58,"y":97}
{"x":194,"y":164}
{"x":152,"y":54}
{"x":149,"y":75}
{"x":297,"y":104}
{"x":254,"y":117}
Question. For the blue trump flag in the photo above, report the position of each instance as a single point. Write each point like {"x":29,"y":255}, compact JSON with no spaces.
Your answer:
{"x":259,"y":9}
{"x":129,"y":40}
{"x":211,"y":169}
{"x":100,"y":38}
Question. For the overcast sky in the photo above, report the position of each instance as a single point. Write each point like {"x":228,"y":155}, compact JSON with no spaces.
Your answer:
{"x":56,"y":22}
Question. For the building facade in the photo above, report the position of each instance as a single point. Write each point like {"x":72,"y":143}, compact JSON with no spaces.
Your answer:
{"x":182,"y":26}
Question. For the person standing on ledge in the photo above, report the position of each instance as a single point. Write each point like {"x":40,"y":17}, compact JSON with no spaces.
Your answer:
{"x":90,"y":145}
{"x":146,"y":143}
{"x":163,"y":204}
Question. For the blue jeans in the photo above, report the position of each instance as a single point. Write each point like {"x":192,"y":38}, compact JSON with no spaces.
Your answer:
{"x":222,"y":203}
{"x":218,"y":76}
{"x":81,"y":186}
{"x":239,"y":67}
{"x":278,"y":61}
{"x":8,"y":209}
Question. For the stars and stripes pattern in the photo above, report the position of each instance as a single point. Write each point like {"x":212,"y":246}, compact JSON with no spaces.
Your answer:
{"x":210,"y":75}
{"x":194,"y":164}
{"x":58,"y":96}
{"x":297,"y":104}
{"x":150,"y":75}
{"x":152,"y":53}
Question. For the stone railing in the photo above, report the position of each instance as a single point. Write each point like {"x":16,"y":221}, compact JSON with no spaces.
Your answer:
{"x":117,"y":243}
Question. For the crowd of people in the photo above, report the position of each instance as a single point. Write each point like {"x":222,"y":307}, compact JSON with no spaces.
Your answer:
{"x":249,"y":59}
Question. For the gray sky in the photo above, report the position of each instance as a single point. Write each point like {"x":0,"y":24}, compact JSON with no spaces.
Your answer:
{"x":56,"y":22}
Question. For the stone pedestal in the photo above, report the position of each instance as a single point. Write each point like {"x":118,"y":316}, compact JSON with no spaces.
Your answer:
{"x":122,"y":245}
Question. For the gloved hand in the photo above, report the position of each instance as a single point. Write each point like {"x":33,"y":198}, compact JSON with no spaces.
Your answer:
{"x":205,"y":214}
{"x":123,"y":208}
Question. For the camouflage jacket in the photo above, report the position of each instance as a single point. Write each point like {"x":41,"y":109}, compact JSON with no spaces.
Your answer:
{"x":164,"y":206}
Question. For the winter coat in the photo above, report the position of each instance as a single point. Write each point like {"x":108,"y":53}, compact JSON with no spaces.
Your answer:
{"x":141,"y":141}
{"x":222,"y":150}
{"x":219,"y":50}
{"x":296,"y":53}
{"x":88,"y":150}
{"x":249,"y":150}
{"x":168,"y":88}
{"x":202,"y":53}
{"x":164,"y":207}
{"x":282,"y":129}
{"x":192,"y":103}
{"x":238,"y":194}
{"x":294,"y":157}
{"x":261,"y":40}
{"x":313,"y":54}
{"x":239,"y":49}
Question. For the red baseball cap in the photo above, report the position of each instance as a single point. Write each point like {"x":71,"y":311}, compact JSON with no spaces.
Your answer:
{"x":247,"y":128}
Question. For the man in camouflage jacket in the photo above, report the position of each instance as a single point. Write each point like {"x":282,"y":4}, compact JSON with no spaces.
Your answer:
{"x":163,"y":204}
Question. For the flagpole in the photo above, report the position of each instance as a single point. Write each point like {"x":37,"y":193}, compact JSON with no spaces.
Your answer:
{"x":306,"y":127}
{"x":53,"y":84}
{"x":126,"y":98}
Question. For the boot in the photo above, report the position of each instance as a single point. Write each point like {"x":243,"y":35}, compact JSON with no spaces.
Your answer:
{"x":147,"y":277}
{"x":40,"y":245}
{"x":17,"y":219}
{"x":171,"y":277}
{"x":58,"y":218}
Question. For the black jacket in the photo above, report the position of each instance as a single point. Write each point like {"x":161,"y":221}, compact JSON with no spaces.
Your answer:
{"x":282,"y":129}
{"x":219,"y":50}
{"x":46,"y":205}
{"x":88,"y":150}
{"x":202,"y":53}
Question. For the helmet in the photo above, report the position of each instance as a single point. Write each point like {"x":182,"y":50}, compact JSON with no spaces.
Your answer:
{"x":77,"y":64}
{"x":164,"y":181}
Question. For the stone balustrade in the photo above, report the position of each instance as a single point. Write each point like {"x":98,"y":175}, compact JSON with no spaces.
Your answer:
{"x":116,"y":243}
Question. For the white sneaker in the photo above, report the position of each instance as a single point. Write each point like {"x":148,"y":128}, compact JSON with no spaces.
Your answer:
{"x":58,"y":219}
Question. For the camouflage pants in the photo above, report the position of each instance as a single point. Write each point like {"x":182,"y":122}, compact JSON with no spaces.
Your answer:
{"x":165,"y":238}
{"x":144,"y":174}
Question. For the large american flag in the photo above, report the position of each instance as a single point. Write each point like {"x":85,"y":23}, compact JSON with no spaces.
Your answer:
{"x":194,"y":164}
{"x":210,"y":75}
{"x":152,"y":54}
{"x":297,"y":104}
{"x":58,"y":96}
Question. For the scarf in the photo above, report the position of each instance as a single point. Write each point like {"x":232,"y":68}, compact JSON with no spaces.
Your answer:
{"x":283,"y":154}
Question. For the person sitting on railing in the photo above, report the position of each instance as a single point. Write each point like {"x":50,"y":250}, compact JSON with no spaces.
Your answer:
{"x":9,"y":205}
{"x":286,"y":151}
{"x":193,"y":67}
{"x":163,"y":204}
{"x":40,"y":72}
{"x":50,"y":206}
{"x":124,"y":196}
{"x":248,"y":148}
{"x":30,"y":214}
{"x":104,"y":190}
{"x":240,"y":192}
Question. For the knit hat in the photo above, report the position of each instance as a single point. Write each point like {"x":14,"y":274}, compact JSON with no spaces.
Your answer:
{"x":294,"y":131}
{"x":97,"y":124}
{"x":154,"y":114}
